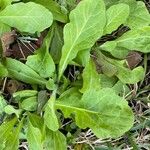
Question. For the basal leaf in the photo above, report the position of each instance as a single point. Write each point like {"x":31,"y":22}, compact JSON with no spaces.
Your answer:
{"x":136,"y":40}
{"x":22,"y":72}
{"x":108,"y":114}
{"x":55,"y":141}
{"x":14,"y":138}
{"x":42,"y":62}
{"x":91,"y":78}
{"x":5,"y":130}
{"x":34,"y":137}
{"x":54,"y":7}
{"x":27,"y":17}
{"x":136,"y":19}
{"x":50,"y":118}
{"x":86,"y":25}
{"x":116,"y":15}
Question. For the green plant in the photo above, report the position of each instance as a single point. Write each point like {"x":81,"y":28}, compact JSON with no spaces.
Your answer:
{"x":92,"y":96}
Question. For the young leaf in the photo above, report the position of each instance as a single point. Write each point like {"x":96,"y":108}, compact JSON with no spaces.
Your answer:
{"x":27,"y":17}
{"x":22,"y":72}
{"x":34,"y":137}
{"x":108,"y":114}
{"x":42,"y":62}
{"x":86,"y":25}
{"x":50,"y":118}
{"x":54,"y":7}
{"x":116,"y":15}
{"x":9,"y":109}
{"x":24,"y":94}
{"x":55,"y":141}
{"x":29,"y":104}
{"x":91,"y":78}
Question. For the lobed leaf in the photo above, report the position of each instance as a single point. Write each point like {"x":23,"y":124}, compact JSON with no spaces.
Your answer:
{"x":108,"y":114}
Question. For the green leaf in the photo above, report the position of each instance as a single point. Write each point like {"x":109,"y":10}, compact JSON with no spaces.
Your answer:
{"x":55,"y":141}
{"x":130,"y":76}
{"x":83,"y":57}
{"x":50,"y":118}
{"x":136,"y":40}
{"x":2,"y":104}
{"x":22,"y":72}
{"x":4,"y":3}
{"x":29,"y":17}
{"x":29,"y":104}
{"x":136,"y":19}
{"x":57,"y":43}
{"x":36,"y":121}
{"x":14,"y":138}
{"x":9,"y":109}
{"x":34,"y":137}
{"x":5,"y":130}
{"x":4,"y":28}
{"x":86,"y":25}
{"x":91,"y":78}
{"x":54,"y":7}
{"x":24,"y":94}
{"x":108,"y":114}
{"x":116,"y":15}
{"x":42,"y":100}
{"x":42,"y":62}
{"x":3,"y":71}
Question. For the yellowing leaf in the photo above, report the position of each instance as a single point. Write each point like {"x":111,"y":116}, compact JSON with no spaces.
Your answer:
{"x":86,"y":25}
